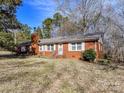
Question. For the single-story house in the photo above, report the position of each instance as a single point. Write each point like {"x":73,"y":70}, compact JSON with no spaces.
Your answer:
{"x":69,"y":46}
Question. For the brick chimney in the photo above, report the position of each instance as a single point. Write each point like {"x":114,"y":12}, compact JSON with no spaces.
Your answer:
{"x":35,"y":43}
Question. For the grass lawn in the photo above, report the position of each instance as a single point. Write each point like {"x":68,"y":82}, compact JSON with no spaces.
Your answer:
{"x":5,"y":52}
{"x":40,"y":75}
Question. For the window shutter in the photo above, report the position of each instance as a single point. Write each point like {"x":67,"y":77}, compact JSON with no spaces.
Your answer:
{"x":45,"y":48}
{"x":54,"y":47}
{"x":95,"y":46}
{"x":69,"y":47}
{"x":40,"y":48}
{"x":83,"y":46}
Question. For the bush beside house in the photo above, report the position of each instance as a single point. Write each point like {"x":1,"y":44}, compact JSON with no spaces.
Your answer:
{"x":89,"y":55}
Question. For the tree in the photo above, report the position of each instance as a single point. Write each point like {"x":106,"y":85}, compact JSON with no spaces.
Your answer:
{"x":8,"y":22}
{"x":61,"y":23}
{"x":57,"y":19}
{"x":68,"y":28}
{"x":6,"y":41}
{"x":7,"y":14}
{"x":47,"y":27}
{"x":112,"y":24}
{"x":97,"y":15}
{"x":121,"y":8}
{"x":113,"y":42}
{"x":84,"y":13}
{"x":39,"y":31}
{"x":114,"y":33}
{"x":24,"y":33}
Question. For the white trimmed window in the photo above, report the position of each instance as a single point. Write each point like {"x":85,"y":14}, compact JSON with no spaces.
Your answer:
{"x":79,"y":46}
{"x":73,"y":46}
{"x":76,"y":46}
{"x":43,"y":48}
{"x":49,"y":47}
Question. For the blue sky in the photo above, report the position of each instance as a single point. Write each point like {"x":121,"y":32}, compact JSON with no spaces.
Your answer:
{"x":33,"y":12}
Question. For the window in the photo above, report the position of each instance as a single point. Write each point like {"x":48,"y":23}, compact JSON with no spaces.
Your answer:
{"x":79,"y":46}
{"x":75,"y":46}
{"x":42,"y":48}
{"x":50,"y":47}
{"x":23,"y":49}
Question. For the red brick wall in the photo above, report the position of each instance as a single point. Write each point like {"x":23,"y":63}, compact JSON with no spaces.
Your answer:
{"x":49,"y":53}
{"x":74,"y":54}
{"x":91,"y":45}
{"x":71,"y":54}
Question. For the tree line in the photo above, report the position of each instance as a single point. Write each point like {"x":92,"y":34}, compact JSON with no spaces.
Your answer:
{"x":12,"y":32}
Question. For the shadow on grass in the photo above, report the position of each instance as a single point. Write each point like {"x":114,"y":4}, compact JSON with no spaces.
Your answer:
{"x":10,"y":56}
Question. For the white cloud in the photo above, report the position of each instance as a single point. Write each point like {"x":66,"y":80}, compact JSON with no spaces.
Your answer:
{"x":45,"y":5}
{"x":40,"y":2}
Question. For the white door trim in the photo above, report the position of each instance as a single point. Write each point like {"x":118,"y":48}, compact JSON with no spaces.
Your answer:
{"x":60,"y":49}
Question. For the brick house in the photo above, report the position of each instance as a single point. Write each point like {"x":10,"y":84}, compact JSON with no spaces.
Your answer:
{"x":69,"y":47}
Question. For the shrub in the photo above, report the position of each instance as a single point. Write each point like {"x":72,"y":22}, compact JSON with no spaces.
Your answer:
{"x":103,"y":61}
{"x":7,"y":41}
{"x":107,"y":56}
{"x":89,"y":55}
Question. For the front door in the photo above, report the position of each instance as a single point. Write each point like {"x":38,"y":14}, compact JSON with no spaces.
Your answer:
{"x":60,"y":49}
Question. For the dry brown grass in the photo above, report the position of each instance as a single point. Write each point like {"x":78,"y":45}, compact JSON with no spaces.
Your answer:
{"x":5,"y":52}
{"x":39,"y":75}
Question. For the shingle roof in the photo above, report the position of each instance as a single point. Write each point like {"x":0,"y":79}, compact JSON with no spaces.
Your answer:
{"x":95,"y":34}
{"x":26,"y":43}
{"x":69,"y":39}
